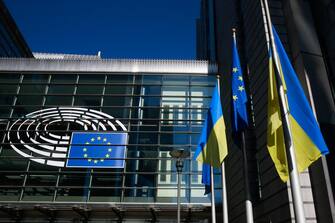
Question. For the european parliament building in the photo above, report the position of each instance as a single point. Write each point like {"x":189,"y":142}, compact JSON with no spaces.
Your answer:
{"x":55,"y":109}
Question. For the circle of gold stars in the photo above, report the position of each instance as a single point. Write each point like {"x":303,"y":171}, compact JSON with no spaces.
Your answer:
{"x":96,"y":160}
{"x":241,"y":87}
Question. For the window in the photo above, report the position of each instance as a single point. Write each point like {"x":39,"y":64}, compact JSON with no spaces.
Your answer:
{"x":160,"y":111}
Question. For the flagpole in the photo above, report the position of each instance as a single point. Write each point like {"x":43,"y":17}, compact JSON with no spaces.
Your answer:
{"x":213,"y":196}
{"x":294,"y":176}
{"x":223,"y":177}
{"x":248,"y":203}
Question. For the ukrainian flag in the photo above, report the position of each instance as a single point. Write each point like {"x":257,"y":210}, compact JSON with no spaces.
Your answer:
{"x":307,"y":139}
{"x":212,"y":147}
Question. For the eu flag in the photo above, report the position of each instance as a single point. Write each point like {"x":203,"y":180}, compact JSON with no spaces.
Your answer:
{"x":239,"y":95}
{"x":97,"y":150}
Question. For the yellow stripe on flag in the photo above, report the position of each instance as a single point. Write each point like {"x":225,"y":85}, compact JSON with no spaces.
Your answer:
{"x":305,"y":150}
{"x":216,"y":148}
{"x":275,"y":132}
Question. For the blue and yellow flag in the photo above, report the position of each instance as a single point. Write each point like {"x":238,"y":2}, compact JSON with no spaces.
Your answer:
{"x":212,"y":147}
{"x":307,"y":139}
{"x":275,"y":131}
{"x":206,"y":177}
{"x":239,"y":95}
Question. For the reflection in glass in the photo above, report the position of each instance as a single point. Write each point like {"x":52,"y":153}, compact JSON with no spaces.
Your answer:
{"x":90,"y":89}
{"x":64,"y":78}
{"x":61,"y":89}
{"x":160,"y":112}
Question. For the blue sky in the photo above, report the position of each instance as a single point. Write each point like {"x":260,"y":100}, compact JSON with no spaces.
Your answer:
{"x":119,"y":28}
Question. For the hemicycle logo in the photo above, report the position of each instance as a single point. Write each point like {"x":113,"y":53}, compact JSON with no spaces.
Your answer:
{"x":44,"y":136}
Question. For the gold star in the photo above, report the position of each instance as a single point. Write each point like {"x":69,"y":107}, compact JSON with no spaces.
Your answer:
{"x":89,"y":160}
{"x":107,"y":155}
{"x":109,"y":149}
{"x":235,"y":97}
{"x":85,"y":155}
{"x":99,"y":138}
{"x":240,"y":78}
{"x":87,"y":143}
{"x":95,"y":161}
{"x":108,"y":143}
{"x":92,"y":140}
{"x":85,"y":149}
{"x":235,"y":69}
{"x":101,"y":160}
{"x":105,"y":140}
{"x":240,"y":88}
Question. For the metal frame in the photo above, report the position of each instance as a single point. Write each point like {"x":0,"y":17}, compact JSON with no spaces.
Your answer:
{"x":130,"y":121}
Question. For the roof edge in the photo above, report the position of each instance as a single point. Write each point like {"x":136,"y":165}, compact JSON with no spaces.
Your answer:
{"x":107,"y":65}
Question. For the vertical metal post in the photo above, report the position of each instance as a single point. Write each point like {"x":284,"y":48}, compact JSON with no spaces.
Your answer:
{"x":224,"y":194}
{"x":178,"y":165}
{"x":248,"y":203}
{"x":223,"y":177}
{"x":179,"y":155}
{"x":213,"y":196}
{"x":294,"y":176}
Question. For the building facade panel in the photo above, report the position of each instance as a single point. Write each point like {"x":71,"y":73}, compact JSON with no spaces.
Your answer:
{"x":159,"y":112}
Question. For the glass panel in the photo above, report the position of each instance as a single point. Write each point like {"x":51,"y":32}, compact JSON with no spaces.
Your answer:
{"x":64,"y":78}
{"x":29,"y":100}
{"x":4,"y":113}
{"x":109,"y":186}
{"x":58,"y":100}
{"x":113,"y":79}
{"x":152,"y":79}
{"x":9,"y":78}
{"x":8,"y":89}
{"x":144,"y":181}
{"x":116,"y":101}
{"x":35,"y":78}
{"x":119,"y":89}
{"x":118,"y":112}
{"x":72,"y":194}
{"x":15,"y":162}
{"x":9,"y":193}
{"x":6,"y":99}
{"x":204,"y":80}
{"x":87,"y":101}
{"x":198,"y":92}
{"x":32,"y":89}
{"x":21,"y":111}
{"x":38,"y":193}
{"x":61,"y":89}
{"x":90,"y":89}
{"x":176,"y":80}
{"x":151,"y":90}
{"x":174,"y":139}
{"x":92,"y":79}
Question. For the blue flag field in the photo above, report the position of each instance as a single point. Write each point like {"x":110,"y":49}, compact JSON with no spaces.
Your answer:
{"x":97,"y":150}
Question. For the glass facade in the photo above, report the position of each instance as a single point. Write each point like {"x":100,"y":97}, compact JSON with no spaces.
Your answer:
{"x":160,"y":112}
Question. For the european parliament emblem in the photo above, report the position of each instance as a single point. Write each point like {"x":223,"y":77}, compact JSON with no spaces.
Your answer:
{"x":97,"y":150}
{"x":100,"y":144}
